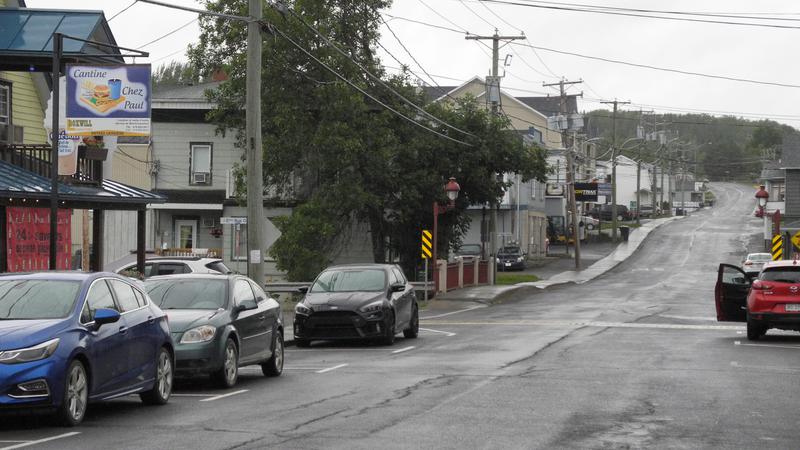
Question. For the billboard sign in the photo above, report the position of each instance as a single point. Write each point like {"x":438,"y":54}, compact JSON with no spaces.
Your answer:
{"x":28,"y":239}
{"x":585,"y":192}
{"x":108,"y":100}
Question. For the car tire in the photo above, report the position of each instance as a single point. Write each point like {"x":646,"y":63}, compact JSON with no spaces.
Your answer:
{"x":620,"y":218}
{"x":302,"y":343}
{"x":590,"y":227}
{"x":228,"y":374}
{"x":413,"y":328}
{"x":76,"y":395}
{"x":388,"y":331}
{"x":755,"y":330}
{"x":162,"y":386}
{"x":274,"y":365}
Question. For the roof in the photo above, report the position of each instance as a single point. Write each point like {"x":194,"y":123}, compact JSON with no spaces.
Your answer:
{"x":550,"y":106}
{"x":26,"y":38}
{"x":193,"y":196}
{"x":62,"y":275}
{"x":18,"y":183}
{"x":433,"y":93}
{"x":184,"y":96}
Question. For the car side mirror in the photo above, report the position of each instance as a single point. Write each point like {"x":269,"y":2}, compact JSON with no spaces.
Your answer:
{"x":398,"y":287}
{"x":303,"y":289}
{"x":105,"y":316}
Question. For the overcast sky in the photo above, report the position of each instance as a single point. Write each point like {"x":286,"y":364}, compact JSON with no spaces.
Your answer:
{"x":756,"y":53}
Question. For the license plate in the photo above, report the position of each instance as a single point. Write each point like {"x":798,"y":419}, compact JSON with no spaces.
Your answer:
{"x":508,"y":264}
{"x":793,"y":307}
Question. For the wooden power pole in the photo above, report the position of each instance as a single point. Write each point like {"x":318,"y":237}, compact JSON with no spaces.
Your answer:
{"x":255,"y":175}
{"x":614,"y":223}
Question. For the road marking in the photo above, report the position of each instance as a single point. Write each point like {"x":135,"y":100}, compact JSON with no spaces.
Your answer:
{"x":446,"y":333}
{"x":453,"y":312}
{"x":211,"y":399}
{"x":404,"y":349}
{"x":670,"y":316}
{"x":192,"y":395}
{"x":331,"y":368}
{"x":664,"y":326}
{"x":41,"y":441}
{"x":793,"y":347}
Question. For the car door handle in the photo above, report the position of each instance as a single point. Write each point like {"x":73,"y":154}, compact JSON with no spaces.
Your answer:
{"x":151,"y":319}
{"x":123,"y":330}
{"x":262,"y":317}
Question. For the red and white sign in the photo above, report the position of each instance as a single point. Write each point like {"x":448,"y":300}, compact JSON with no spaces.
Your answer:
{"x":28,"y":239}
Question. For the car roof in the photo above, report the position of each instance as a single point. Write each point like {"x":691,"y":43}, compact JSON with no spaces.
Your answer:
{"x":183,"y":276}
{"x":782,"y":263}
{"x":362,"y":266}
{"x":759,"y":254}
{"x":61,"y":275}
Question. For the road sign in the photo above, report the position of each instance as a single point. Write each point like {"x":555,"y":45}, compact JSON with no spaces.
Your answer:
{"x":604,"y":189}
{"x":796,"y":240}
{"x":585,"y":192}
{"x":777,"y":247}
{"x":233,"y":220}
{"x":427,"y":245}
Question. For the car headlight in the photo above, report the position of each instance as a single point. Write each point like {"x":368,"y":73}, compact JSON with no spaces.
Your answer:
{"x":372,"y":307}
{"x":29,"y":354}
{"x":202,"y":333}
{"x":302,"y":309}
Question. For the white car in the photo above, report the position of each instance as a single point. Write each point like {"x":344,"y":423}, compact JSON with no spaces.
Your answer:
{"x":170,"y":265}
{"x":754,"y":262}
{"x":590,"y":222}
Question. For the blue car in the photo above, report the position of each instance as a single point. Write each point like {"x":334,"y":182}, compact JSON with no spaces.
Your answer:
{"x":70,"y":338}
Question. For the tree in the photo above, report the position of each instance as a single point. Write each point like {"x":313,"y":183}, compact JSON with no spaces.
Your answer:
{"x":358,"y":162}
{"x":174,"y":73}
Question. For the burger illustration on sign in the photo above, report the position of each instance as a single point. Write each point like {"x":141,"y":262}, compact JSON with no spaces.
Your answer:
{"x":102,"y":97}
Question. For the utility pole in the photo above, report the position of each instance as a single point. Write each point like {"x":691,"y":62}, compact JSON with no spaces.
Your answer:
{"x":614,"y":171}
{"x":255,"y":175}
{"x":639,"y":168}
{"x":496,"y":38}
{"x":568,"y":152}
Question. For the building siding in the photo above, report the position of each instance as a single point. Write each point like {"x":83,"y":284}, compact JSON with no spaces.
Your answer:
{"x":793,"y":193}
{"x":26,"y":110}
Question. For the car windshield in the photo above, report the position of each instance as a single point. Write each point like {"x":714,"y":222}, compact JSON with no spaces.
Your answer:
{"x":760,"y":257}
{"x":346,"y":280}
{"x":781,"y":274}
{"x":469,"y":249}
{"x":510,"y":251}
{"x":37,"y":299}
{"x":183,"y":293}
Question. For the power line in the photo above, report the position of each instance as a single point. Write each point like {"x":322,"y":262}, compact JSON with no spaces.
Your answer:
{"x":362,"y":91}
{"x":477,"y":15}
{"x":168,"y":34}
{"x":123,"y":10}
{"x":171,"y":54}
{"x":375,"y":77}
{"x":407,"y":52}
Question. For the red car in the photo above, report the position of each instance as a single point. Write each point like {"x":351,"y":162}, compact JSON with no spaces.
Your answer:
{"x":770,"y":301}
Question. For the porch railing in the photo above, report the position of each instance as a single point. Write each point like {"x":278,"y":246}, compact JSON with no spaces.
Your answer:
{"x":36,"y":158}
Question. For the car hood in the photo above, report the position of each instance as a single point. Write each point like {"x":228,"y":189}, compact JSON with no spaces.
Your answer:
{"x":343,"y":300}
{"x":181,"y":320}
{"x":25,"y":333}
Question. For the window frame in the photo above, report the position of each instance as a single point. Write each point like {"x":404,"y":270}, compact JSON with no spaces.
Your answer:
{"x":86,"y":300}
{"x":111,"y":283}
{"x":192,"y":170}
{"x":10,"y":124}
{"x":233,"y":292}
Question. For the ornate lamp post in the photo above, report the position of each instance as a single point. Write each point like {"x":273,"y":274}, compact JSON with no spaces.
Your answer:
{"x":452,"y":189}
{"x":762,"y":196}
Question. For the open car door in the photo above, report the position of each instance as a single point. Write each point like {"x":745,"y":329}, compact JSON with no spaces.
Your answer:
{"x":730,"y":294}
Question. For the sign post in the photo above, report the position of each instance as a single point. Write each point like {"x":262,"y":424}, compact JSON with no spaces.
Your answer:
{"x":427,"y":253}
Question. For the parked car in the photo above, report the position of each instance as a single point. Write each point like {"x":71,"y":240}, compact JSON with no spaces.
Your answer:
{"x":590,"y":223}
{"x":170,"y":265}
{"x":220,"y":323}
{"x":771,"y":301}
{"x":70,"y":338}
{"x":511,"y":258}
{"x":473,"y":250}
{"x":753,"y":263}
{"x":364,"y":301}
{"x":647,"y":211}
{"x":604,"y":212}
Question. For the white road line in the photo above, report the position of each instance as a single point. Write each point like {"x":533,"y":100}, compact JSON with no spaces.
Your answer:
{"x":793,"y":347}
{"x":670,"y":316}
{"x":192,"y":395}
{"x":41,"y":441}
{"x":446,"y":333}
{"x":302,"y":368}
{"x":331,"y":368}
{"x":562,"y":323}
{"x":223,"y":396}
{"x":404,"y":349}
{"x":453,"y":312}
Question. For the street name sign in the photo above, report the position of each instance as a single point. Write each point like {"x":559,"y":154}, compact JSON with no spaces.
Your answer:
{"x":233,"y":220}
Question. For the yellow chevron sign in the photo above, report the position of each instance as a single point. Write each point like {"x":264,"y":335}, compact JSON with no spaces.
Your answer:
{"x":427,"y":244}
{"x":777,"y":247}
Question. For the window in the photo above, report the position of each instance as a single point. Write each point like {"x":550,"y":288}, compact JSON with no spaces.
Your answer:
{"x":260,"y":294}
{"x":172,"y":268}
{"x":140,"y":298}
{"x":534,"y":186}
{"x":99,"y":297}
{"x":242,"y":292}
{"x":6,"y":130}
{"x":200,"y":164}
{"x":350,"y":280}
{"x":125,"y":296}
{"x":37,"y":299}
{"x":180,"y":293}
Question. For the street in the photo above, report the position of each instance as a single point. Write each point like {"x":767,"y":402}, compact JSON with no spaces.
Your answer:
{"x":632,"y":359}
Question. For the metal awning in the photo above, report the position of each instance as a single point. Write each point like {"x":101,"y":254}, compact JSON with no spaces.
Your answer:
{"x":19,"y":186}
{"x":26,"y":38}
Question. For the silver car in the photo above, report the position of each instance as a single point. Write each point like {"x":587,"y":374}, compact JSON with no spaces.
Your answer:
{"x":171,"y":265}
{"x":754,"y":262}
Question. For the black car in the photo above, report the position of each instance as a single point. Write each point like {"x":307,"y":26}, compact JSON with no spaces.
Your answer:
{"x":511,"y":258}
{"x":365,"y":301}
{"x":220,"y":323}
{"x":604,"y":212}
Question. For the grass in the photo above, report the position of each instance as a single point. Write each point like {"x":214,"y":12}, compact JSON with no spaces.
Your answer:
{"x":514,"y":278}
{"x":607,"y":225}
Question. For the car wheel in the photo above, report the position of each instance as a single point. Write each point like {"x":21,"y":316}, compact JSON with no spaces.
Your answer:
{"x":162,"y":387}
{"x":76,"y":395}
{"x":274,"y":366}
{"x":388,"y":332}
{"x":754,"y":329}
{"x":590,"y":227}
{"x":227,"y":376}
{"x":620,"y":218}
{"x":413,"y":328}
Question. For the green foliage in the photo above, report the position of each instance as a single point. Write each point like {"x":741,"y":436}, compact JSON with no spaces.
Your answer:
{"x":356,"y":161}
{"x":174,"y":73}
{"x":505,"y":278}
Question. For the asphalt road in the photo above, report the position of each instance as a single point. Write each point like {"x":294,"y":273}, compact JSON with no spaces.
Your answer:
{"x":632,"y":359}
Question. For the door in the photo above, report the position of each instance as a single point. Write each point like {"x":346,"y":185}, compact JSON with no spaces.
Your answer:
{"x":107,"y":347}
{"x":139,"y":320}
{"x":402,"y":300}
{"x":247,"y":321}
{"x":185,"y":233}
{"x":730,"y":294}
{"x":268,"y":322}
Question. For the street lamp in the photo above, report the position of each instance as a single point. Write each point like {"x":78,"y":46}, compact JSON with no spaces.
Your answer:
{"x":451,"y":189}
{"x":762,"y":196}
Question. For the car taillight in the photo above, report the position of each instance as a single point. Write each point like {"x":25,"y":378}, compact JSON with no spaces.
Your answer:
{"x":748,"y":263}
{"x":761,"y":286}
